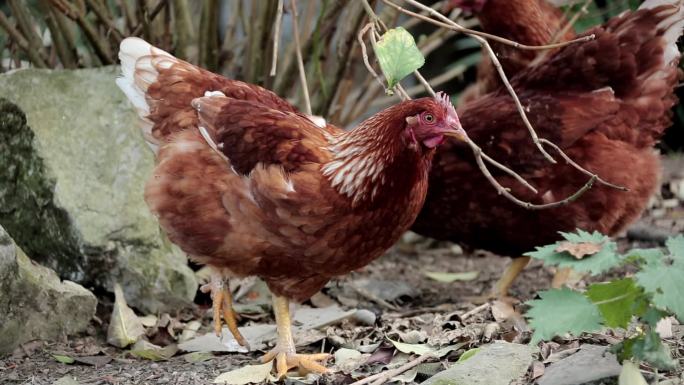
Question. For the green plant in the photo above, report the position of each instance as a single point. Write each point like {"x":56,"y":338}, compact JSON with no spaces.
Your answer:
{"x":636,"y":303}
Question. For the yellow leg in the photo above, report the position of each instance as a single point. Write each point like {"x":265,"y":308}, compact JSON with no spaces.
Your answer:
{"x":510,"y":274}
{"x":284,"y":352}
{"x":222,"y":303}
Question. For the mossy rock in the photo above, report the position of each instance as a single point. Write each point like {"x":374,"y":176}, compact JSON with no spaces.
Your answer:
{"x":35,"y":303}
{"x":71,"y":186}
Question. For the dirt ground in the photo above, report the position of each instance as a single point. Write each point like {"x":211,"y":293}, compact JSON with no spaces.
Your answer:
{"x":403,"y":303}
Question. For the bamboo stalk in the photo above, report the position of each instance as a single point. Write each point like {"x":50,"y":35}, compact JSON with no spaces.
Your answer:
{"x":64,"y":50}
{"x":26,"y":25}
{"x":100,"y":46}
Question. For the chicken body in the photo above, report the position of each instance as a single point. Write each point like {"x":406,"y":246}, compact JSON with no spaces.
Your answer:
{"x":605,"y":102}
{"x":248,"y":185}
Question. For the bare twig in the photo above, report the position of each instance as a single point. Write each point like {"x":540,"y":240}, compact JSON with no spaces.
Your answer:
{"x":300,"y":61}
{"x":148,"y":18}
{"x":60,"y":42}
{"x":21,"y":41}
{"x":101,"y":14}
{"x":450,"y":24}
{"x":276,"y":37}
{"x":475,"y":311}
{"x":364,"y":53}
{"x":100,"y":47}
{"x":382,"y":377}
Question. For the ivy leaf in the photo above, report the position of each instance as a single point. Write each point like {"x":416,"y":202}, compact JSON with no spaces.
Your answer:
{"x":398,"y":55}
{"x":561,"y":311}
{"x":595,"y":263}
{"x":615,"y":300}
{"x":662,"y":279}
{"x":646,"y":347}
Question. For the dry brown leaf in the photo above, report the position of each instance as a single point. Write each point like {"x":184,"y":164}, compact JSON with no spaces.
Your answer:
{"x":124,"y":327}
{"x":579,"y":250}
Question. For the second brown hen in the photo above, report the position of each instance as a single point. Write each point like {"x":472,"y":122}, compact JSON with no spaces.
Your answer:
{"x":605,"y":102}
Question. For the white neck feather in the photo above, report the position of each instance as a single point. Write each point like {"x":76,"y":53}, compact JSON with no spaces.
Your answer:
{"x":356,"y":169}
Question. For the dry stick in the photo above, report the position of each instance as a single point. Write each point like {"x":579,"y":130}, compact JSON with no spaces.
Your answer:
{"x":276,"y":37}
{"x":510,"y":89}
{"x":450,"y":24}
{"x":101,"y":47}
{"x":495,"y":61}
{"x":21,"y":41}
{"x":104,"y":18}
{"x":60,"y":42}
{"x":382,"y":377}
{"x":26,"y":25}
{"x":138,"y":28}
{"x":364,"y":53}
{"x":474,"y":311}
{"x":479,"y":156}
{"x":300,"y":61}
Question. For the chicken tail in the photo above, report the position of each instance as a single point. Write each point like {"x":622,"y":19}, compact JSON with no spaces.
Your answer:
{"x":673,"y":25}
{"x":140,"y":64}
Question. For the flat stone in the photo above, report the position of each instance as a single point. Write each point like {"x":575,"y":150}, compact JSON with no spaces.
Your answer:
{"x":35,"y":303}
{"x":71,"y":186}
{"x":499,"y":363}
{"x":590,"y":363}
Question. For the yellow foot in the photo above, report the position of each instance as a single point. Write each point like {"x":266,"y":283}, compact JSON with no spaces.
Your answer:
{"x":222,"y":303}
{"x":286,"y":359}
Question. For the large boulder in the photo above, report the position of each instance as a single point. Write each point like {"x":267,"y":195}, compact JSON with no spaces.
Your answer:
{"x":74,"y":165}
{"x":35,"y":303}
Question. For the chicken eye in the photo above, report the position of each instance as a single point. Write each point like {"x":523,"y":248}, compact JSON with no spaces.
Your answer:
{"x":429,"y":118}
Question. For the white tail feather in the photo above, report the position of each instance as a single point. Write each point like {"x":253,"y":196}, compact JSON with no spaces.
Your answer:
{"x":139,"y":62}
{"x":673,"y":25}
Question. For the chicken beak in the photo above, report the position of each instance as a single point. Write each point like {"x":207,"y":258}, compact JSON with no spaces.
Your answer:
{"x":457,"y":132}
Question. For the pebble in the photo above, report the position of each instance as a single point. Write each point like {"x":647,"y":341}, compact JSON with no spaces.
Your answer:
{"x":365,"y":317}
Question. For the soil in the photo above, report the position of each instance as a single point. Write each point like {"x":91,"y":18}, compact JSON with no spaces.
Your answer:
{"x":396,"y":291}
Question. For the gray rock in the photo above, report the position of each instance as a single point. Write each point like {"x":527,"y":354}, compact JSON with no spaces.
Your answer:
{"x":71,"y":186}
{"x":499,"y":363}
{"x":35,"y":303}
{"x":590,"y":363}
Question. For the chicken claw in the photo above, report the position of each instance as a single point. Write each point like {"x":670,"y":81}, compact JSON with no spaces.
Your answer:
{"x":500,"y":290}
{"x":222,"y":303}
{"x":284,"y":352}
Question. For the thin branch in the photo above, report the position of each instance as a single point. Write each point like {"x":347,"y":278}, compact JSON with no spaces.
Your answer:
{"x":300,"y":61}
{"x":104,"y":18}
{"x":148,"y":18}
{"x":364,"y":53}
{"x":276,"y":37}
{"x":382,"y":377}
{"x":22,"y":43}
{"x":101,"y":47}
{"x":450,"y":24}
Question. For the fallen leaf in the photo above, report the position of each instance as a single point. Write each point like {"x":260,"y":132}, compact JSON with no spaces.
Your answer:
{"x":452,"y":277}
{"x":348,"y":360}
{"x":149,"y":351}
{"x":421,"y":349}
{"x":66,"y":380}
{"x":664,"y":327}
{"x":538,"y":369}
{"x":630,"y":374}
{"x":248,"y":374}
{"x":502,"y":310}
{"x":579,"y":250}
{"x":63,"y":359}
{"x":124,"y":326}
{"x":197,"y":357}
{"x":149,"y":320}
{"x":96,"y":361}
{"x":189,"y":331}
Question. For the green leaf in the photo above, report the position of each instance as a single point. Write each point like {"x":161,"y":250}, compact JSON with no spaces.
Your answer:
{"x":630,"y":375}
{"x":452,"y":277}
{"x":468,"y":354}
{"x":662,"y":278}
{"x":615,"y":300}
{"x":63,"y":359}
{"x":595,"y":264}
{"x":646,"y":347}
{"x":398,"y":55}
{"x":675,"y":246}
{"x":561,"y":311}
{"x":646,"y":256}
{"x":653,"y":315}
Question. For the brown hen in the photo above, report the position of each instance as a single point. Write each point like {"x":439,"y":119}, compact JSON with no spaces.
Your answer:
{"x":248,"y":185}
{"x":605,"y":102}
{"x":529,"y":22}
